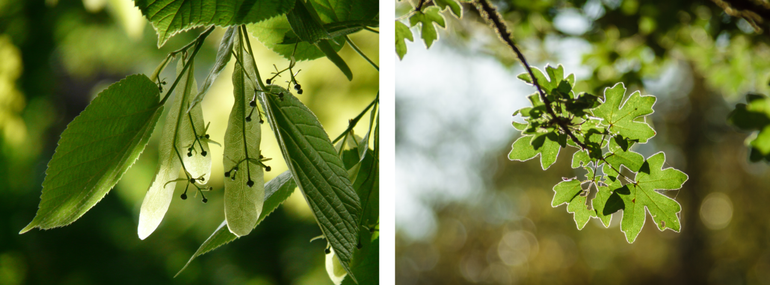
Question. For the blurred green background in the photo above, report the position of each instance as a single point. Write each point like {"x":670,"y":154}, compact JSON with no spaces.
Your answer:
{"x":466,"y":214}
{"x":55,"y":56}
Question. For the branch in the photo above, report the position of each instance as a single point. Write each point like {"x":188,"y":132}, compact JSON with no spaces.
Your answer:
{"x":490,"y":13}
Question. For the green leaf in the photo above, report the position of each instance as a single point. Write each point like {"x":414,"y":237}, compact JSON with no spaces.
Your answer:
{"x":304,"y":25}
{"x":402,"y":33}
{"x":96,"y":149}
{"x":170,"y":17}
{"x":572,"y":192}
{"x":223,"y":57}
{"x":751,"y":117}
{"x":580,"y":159}
{"x":554,"y":82}
{"x":367,"y":264}
{"x":643,"y":194}
{"x":244,"y":180}
{"x":427,"y":18}
{"x":606,"y":203}
{"x":622,"y":118}
{"x":546,"y":145}
{"x":277,"y":190}
{"x":177,"y":133}
{"x":630,"y":159}
{"x":273,"y":33}
{"x":317,"y":169}
{"x":454,"y":6}
{"x":331,"y":11}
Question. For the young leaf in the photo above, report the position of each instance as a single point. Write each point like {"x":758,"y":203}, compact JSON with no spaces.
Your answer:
{"x":621,"y":118}
{"x":571,"y":192}
{"x":427,"y":18}
{"x":402,"y":33}
{"x":273,"y":33}
{"x":244,"y":184}
{"x":96,"y":149}
{"x":161,"y":191}
{"x":453,"y":6}
{"x":547,"y":145}
{"x":170,"y":17}
{"x":223,"y":57}
{"x":277,"y":190}
{"x":642,"y":194}
{"x":317,"y":169}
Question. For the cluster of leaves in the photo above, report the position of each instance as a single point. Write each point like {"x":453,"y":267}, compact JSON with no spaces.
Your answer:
{"x":603,"y":129}
{"x":754,"y":116}
{"x":427,"y":17}
{"x":340,"y":185}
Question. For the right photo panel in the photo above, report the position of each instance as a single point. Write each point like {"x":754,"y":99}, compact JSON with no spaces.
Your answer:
{"x":582,"y":142}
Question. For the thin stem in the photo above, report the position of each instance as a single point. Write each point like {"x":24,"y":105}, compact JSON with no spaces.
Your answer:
{"x":353,"y":45}
{"x":355,"y":120}
{"x":199,"y":44}
{"x":243,"y":108}
{"x":253,"y":61}
{"x":490,"y":13}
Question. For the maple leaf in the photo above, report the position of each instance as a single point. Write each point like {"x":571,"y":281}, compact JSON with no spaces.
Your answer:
{"x":428,"y":17}
{"x":547,"y":145}
{"x":642,"y":194}
{"x":571,"y":192}
{"x":621,"y":117}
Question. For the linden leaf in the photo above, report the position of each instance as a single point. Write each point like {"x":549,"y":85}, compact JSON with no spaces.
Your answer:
{"x":643,"y":194}
{"x":427,"y":18}
{"x":170,"y":17}
{"x":277,"y":190}
{"x":402,"y":33}
{"x":97,"y":147}
{"x":621,"y":117}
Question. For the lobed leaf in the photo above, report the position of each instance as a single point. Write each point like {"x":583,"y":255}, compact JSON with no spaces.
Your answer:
{"x":572,"y":193}
{"x":170,"y":17}
{"x":96,"y":149}
{"x":277,"y":190}
{"x":642,"y":194}
{"x":453,"y":5}
{"x":547,"y":145}
{"x":426,"y":19}
{"x":621,"y":116}
{"x":317,"y":169}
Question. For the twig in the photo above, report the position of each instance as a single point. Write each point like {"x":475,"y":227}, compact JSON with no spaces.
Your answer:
{"x":490,"y":13}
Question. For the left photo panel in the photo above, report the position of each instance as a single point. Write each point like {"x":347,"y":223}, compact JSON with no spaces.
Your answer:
{"x":189,"y":141}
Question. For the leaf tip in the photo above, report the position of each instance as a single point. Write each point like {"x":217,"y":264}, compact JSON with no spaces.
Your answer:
{"x":29,"y":227}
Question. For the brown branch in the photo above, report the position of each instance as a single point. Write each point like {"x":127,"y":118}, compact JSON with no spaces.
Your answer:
{"x":490,"y":13}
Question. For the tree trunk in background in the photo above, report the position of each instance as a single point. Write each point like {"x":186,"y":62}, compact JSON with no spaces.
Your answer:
{"x":694,"y":257}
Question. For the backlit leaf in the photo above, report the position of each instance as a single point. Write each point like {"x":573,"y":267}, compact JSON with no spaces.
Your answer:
{"x":96,"y":149}
{"x":621,"y":117}
{"x":317,"y":169}
{"x":244,"y":179}
{"x":643,"y":194}
{"x":170,"y":17}
{"x":277,"y":190}
{"x":426,"y":18}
